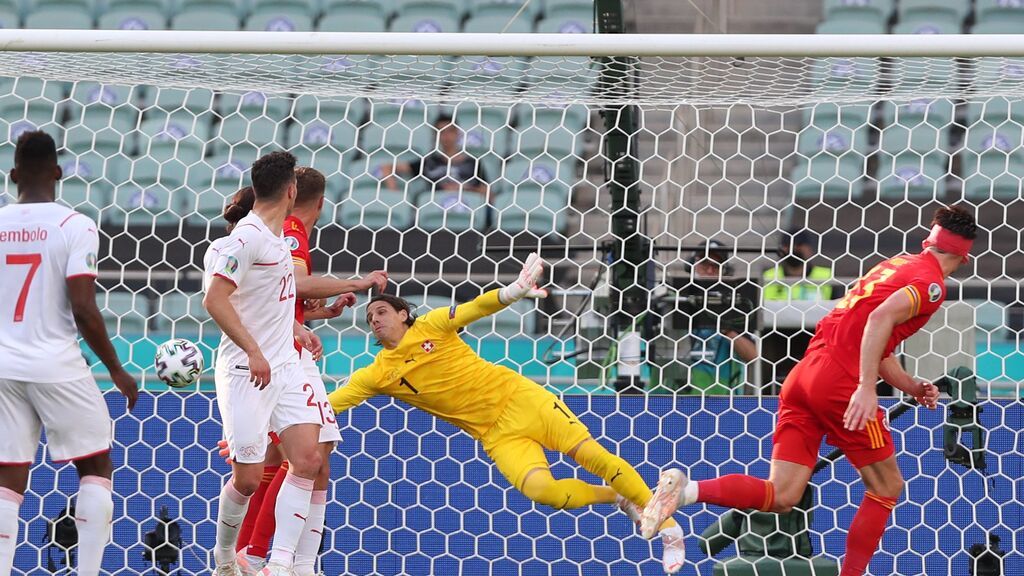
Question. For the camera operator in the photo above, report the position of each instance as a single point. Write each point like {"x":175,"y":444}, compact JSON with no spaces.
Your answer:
{"x":807,"y":280}
{"x":719,"y":353}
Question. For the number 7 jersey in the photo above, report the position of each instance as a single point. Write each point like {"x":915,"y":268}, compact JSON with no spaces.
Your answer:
{"x":841,"y":331}
{"x":41,"y":246}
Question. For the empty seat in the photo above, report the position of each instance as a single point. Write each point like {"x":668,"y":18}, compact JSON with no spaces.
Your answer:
{"x":358,"y":22}
{"x":33,"y":100}
{"x":9,"y":16}
{"x":568,"y":23}
{"x":992,"y":161}
{"x":1009,"y":12}
{"x":912,"y":176}
{"x":163,"y":140}
{"x":876,"y":12}
{"x":278,"y":18}
{"x":86,"y":183}
{"x":100,"y":106}
{"x":996,"y":110}
{"x":827,"y":115}
{"x":953,"y":9}
{"x":205,"y":18}
{"x":331,"y":110}
{"x":450,"y":210}
{"x":424,"y":22}
{"x":178,"y":102}
{"x":136,"y":206}
{"x":64,"y":16}
{"x":321,"y":145}
{"x":183,"y":315}
{"x":214,"y":183}
{"x":254,"y":104}
{"x":537,"y":173}
{"x":375,"y":210}
{"x":127,"y":17}
{"x":933,"y":112}
{"x":831,"y":162}
{"x":541,"y":212}
{"x":123,"y":312}
{"x":504,"y":8}
{"x":448,"y":9}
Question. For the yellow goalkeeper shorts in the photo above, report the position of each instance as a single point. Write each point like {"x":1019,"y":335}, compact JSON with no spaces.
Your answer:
{"x":533,"y":419}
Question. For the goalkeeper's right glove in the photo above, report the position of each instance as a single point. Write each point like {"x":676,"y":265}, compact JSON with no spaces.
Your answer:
{"x":526,"y":285}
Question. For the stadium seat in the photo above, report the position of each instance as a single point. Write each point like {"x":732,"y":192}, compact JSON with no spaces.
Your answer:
{"x":990,"y":318}
{"x":558,"y":6}
{"x":254,"y":104}
{"x":568,"y":23}
{"x":850,"y":26}
{"x":912,"y":176}
{"x":828,"y":115}
{"x":542,"y":174}
{"x":449,"y":210}
{"x":954,"y":9}
{"x":828,"y":177}
{"x":904,"y":136}
{"x":519,"y":319}
{"x":9,"y":14}
{"x":183,"y":315}
{"x":992,"y":161}
{"x":307,"y":108}
{"x":541,"y":212}
{"x":106,"y":142}
{"x":937,"y":113}
{"x":32,"y":100}
{"x":398,"y":138}
{"x":137,"y":206}
{"x":559,"y":142}
{"x":871,"y":11}
{"x":213,"y":183}
{"x":99,"y":106}
{"x":504,"y":9}
{"x":996,"y":110}
{"x":123,"y":312}
{"x":147,"y":172}
{"x":288,"y":18}
{"x":61,"y":16}
{"x":163,"y":140}
{"x":1003,"y":74}
{"x":1008,"y":12}
{"x":358,"y":22}
{"x":85,"y":185}
{"x":205,"y":18}
{"x":133,"y":18}
{"x":425,"y":21}
{"x":322,"y":145}
{"x":375,"y":209}
{"x":447,"y":9}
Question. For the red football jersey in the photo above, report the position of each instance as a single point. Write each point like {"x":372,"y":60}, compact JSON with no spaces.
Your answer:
{"x":297,"y":239}
{"x":840,"y":333}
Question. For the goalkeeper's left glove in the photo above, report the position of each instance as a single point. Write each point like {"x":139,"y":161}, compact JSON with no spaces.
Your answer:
{"x":526,"y":285}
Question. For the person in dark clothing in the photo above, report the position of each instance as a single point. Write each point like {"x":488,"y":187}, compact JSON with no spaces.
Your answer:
{"x":449,"y":168}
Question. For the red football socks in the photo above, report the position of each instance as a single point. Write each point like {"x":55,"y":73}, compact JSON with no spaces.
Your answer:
{"x":865,"y":532}
{"x":737,"y":491}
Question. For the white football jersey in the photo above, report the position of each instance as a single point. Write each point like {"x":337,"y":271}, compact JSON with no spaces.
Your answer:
{"x":260,"y":265}
{"x":41,"y":246}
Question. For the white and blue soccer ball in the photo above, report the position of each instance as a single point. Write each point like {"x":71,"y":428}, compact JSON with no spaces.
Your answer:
{"x":178,"y":363}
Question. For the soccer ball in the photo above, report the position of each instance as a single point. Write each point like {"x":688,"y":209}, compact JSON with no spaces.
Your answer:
{"x":178,"y":363}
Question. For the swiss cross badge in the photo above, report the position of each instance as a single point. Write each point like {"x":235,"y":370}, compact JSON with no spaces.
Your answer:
{"x":427,"y":346}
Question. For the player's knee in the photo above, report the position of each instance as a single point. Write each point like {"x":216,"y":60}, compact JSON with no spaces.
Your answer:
{"x":891,"y":486}
{"x":786,"y":498}
{"x":245,"y":484}
{"x":307,"y":464}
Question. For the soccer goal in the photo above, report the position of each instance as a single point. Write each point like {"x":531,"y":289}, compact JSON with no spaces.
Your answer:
{"x":632,"y":163}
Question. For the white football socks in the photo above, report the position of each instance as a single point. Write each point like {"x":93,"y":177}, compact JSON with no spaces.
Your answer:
{"x":94,"y":511}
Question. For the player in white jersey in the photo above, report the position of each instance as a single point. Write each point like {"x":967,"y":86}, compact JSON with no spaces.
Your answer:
{"x":47,"y":279}
{"x":250,"y":294}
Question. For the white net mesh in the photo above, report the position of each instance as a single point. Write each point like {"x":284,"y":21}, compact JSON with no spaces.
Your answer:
{"x":856,"y":153}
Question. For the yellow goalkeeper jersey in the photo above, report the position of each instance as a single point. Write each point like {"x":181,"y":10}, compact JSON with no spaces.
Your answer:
{"x":434,"y":370}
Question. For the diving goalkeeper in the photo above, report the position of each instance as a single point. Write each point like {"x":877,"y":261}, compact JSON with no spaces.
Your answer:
{"x":426,"y":364}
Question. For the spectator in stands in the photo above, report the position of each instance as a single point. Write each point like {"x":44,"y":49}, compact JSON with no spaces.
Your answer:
{"x":718,"y":353}
{"x":805,"y":280}
{"x":449,"y":168}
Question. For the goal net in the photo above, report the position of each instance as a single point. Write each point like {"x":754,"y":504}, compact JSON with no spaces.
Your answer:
{"x":845,"y":156}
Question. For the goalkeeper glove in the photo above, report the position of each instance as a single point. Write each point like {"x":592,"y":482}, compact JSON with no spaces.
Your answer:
{"x":526,"y":285}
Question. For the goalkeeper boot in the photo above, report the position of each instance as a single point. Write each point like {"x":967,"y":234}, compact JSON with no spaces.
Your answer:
{"x":664,"y":503}
{"x":249,"y":565}
{"x":631,"y":509}
{"x":673,"y":553}
{"x":227,"y":569}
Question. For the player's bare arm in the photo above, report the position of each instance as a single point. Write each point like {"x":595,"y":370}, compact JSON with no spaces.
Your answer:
{"x":307,"y":286}
{"x":308,"y":340}
{"x":82,"y":295}
{"x":921,"y":390}
{"x":219,"y":306}
{"x":863,"y":405}
{"x":333,"y":310}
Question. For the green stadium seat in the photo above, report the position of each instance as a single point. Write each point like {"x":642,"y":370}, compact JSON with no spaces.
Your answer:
{"x":542,"y":174}
{"x":133,"y":18}
{"x":506,"y":9}
{"x":163,"y":140}
{"x":568,"y":23}
{"x":956,"y":9}
{"x":236,"y":7}
{"x":213,"y":182}
{"x":990,"y":317}
{"x":828,"y":177}
{"x":106,"y":142}
{"x":61,"y":16}
{"x":872,"y":11}
{"x":10,"y":16}
{"x":148,"y":172}
{"x":559,"y":142}
{"x":836,"y":141}
{"x":937,"y":113}
{"x":519,"y":319}
{"x":254,"y":104}
{"x":573,"y":117}
{"x":137,"y":206}
{"x":99,"y":106}
{"x":449,"y":210}
{"x":850,"y":26}
{"x":992,"y":161}
{"x":448,"y":9}
{"x":322,"y":146}
{"x":309,"y":7}
{"x":1003,"y":74}
{"x":923,"y":25}
{"x":996,"y":110}
{"x":399,"y":138}
{"x":827,"y":115}
{"x":425,"y":21}
{"x":384,"y":7}
{"x":183,"y":315}
{"x":86,"y":183}
{"x":168,"y":102}
{"x":358,"y":22}
{"x":259,"y":132}
{"x":331,"y":110}
{"x":123,"y":312}
{"x":912,"y":176}
{"x":32,"y":100}
{"x":375,"y":209}
{"x":922,"y":138}
{"x":205,"y":18}
{"x":541,"y":212}
{"x":483,"y":23}
{"x":280,"y":19}
{"x":1003,"y":11}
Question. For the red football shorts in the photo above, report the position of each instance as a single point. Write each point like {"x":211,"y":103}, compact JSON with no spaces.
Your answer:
{"x":813,"y":400}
